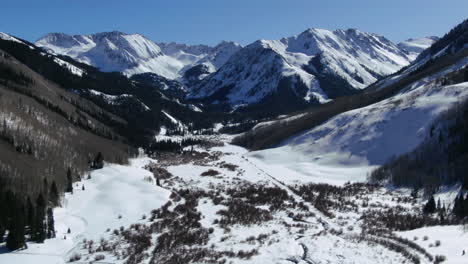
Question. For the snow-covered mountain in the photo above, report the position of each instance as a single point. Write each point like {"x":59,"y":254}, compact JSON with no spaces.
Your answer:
{"x":415,"y":46}
{"x":356,"y":141}
{"x":315,"y":66}
{"x":190,"y":55}
{"x":134,"y":53}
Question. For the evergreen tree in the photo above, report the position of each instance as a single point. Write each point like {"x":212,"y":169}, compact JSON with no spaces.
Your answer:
{"x":430,"y":206}
{"x":458,"y":207}
{"x":54,"y":197}
{"x":45,"y":189}
{"x":98,"y":162}
{"x":30,"y":217}
{"x":69,"y":186}
{"x":39,"y":220}
{"x":50,"y":223}
{"x":2,"y":217}
{"x":16,"y":233}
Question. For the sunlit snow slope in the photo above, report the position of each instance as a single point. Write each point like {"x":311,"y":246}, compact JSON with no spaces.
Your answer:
{"x":349,"y":145}
{"x":310,"y":65}
{"x":134,"y":53}
{"x":114,"y":196}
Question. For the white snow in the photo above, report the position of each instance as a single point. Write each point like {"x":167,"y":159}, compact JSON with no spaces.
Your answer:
{"x":134,"y":53}
{"x":174,"y":120}
{"x":350,"y":145}
{"x":255,"y":71}
{"x":114,"y":99}
{"x":416,"y":46}
{"x":72,"y":68}
{"x":5,"y":36}
{"x":453,"y":240}
{"x":113,"y":191}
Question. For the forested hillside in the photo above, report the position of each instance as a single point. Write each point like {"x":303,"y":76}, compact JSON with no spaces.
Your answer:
{"x":442,"y":159}
{"x":49,"y":138}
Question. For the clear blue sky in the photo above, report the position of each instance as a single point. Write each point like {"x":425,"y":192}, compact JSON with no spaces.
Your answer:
{"x":209,"y":21}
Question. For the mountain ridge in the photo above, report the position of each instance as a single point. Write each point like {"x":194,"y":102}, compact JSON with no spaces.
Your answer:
{"x":317,"y":62}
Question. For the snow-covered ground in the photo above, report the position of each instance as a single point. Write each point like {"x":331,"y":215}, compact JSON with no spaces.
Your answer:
{"x":350,"y":145}
{"x":114,"y":196}
{"x":453,"y":241}
{"x":118,"y":196}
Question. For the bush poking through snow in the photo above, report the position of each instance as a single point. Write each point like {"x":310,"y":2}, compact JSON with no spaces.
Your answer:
{"x":439,"y":259}
{"x":210,"y":172}
{"x":75,"y":257}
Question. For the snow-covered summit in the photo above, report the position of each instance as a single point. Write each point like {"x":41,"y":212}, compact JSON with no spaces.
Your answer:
{"x":309,"y":65}
{"x":134,"y":53}
{"x":415,"y":46}
{"x":192,"y":55}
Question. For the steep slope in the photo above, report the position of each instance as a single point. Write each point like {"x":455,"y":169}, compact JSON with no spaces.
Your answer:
{"x":347,"y":138}
{"x":417,"y":45}
{"x":46,"y":130}
{"x":139,"y":102}
{"x":133,"y":53}
{"x":114,"y":51}
{"x":192,"y":55}
{"x":314,"y":66}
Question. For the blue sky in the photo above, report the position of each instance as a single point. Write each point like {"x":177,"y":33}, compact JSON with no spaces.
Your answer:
{"x":243,"y":21}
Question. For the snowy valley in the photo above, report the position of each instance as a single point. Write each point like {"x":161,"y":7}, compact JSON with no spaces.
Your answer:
{"x":216,"y":204}
{"x":324,"y":147}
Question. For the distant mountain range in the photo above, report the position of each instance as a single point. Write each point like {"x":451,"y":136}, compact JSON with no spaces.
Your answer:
{"x":313,"y":67}
{"x":133,"y":53}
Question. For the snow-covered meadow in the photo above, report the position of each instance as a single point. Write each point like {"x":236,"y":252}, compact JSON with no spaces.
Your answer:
{"x":114,"y":196}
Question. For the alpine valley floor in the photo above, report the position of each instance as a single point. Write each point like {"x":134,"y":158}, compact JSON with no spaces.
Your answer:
{"x":221,"y":204}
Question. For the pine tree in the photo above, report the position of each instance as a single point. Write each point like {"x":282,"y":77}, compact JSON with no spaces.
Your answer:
{"x":98,"y":162}
{"x":464,"y":208}
{"x":430,"y":206}
{"x":54,"y":197}
{"x":45,"y":189}
{"x":458,"y":207}
{"x":2,"y":216}
{"x":69,"y":186}
{"x":30,"y":217}
{"x":39,"y":220}
{"x":16,"y":233}
{"x":50,"y":223}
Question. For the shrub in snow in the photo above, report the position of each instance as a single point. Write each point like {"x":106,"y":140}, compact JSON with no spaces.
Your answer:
{"x":425,"y":238}
{"x":99,"y":257}
{"x":437,"y":243}
{"x":210,"y":172}
{"x":440,"y":259}
{"x":75,"y":257}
